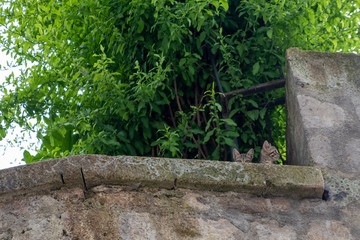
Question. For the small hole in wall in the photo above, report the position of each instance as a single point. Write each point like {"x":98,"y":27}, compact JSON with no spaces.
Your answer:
{"x":325,"y":195}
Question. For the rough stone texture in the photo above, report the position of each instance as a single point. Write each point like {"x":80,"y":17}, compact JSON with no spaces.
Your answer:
{"x":323,"y":118}
{"x":115,"y":212}
{"x":323,"y":103}
{"x":93,"y":170}
{"x":323,"y":99}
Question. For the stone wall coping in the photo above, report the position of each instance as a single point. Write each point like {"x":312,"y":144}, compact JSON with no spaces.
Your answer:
{"x":88,"y":171}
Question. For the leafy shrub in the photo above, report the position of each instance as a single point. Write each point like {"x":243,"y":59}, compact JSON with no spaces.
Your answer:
{"x":134,"y":77}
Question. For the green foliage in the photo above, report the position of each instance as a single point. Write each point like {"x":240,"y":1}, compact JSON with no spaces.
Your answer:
{"x":278,"y":120}
{"x":134,"y":77}
{"x":168,"y":143}
{"x":223,"y":130}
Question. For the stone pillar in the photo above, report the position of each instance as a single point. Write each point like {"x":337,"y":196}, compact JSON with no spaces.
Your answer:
{"x":323,"y":109}
{"x":323,"y":118}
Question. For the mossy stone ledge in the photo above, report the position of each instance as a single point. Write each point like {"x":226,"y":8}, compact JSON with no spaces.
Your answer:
{"x":87,"y":171}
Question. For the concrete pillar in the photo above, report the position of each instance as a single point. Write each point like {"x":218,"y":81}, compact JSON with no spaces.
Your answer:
{"x":323,"y":110}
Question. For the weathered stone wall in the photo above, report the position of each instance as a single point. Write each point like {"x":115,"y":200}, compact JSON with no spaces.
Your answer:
{"x":323,"y":118}
{"x":323,"y":103}
{"x":116,"y":212}
{"x":101,"y":197}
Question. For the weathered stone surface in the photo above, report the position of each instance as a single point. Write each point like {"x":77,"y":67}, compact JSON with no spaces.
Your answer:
{"x":323,"y":119}
{"x":322,"y":92}
{"x":317,"y":114}
{"x":93,"y":170}
{"x":115,"y":212}
{"x":324,"y":230}
{"x":270,"y":230}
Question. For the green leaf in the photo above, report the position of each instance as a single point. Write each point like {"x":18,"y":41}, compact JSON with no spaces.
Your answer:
{"x":2,"y":133}
{"x":311,"y":16}
{"x":244,"y":137}
{"x":269,"y":33}
{"x":216,"y":153}
{"x":338,"y":3}
{"x":218,"y":106}
{"x":140,"y":27}
{"x":253,"y":103}
{"x":182,"y":62}
{"x":229,"y":121}
{"x":216,"y":4}
{"x":256,"y":68}
{"x":130,"y":150}
{"x":27,"y":157}
{"x":190,"y":145}
{"x":253,"y":115}
{"x":233,"y":112}
{"x":208,"y":135}
{"x":197,"y":131}
{"x":202,"y":36}
{"x":139,"y":146}
{"x":191,"y":70}
{"x":48,"y":121}
{"x":231,"y":134}
{"x":224,"y":4}
{"x":229,"y":142}
{"x":131,"y":132}
{"x":262,"y":113}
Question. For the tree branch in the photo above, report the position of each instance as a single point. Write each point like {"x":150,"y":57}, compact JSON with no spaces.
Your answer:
{"x":172,"y":116}
{"x":199,"y":147}
{"x":263,"y":87}
{"x":177,"y":97}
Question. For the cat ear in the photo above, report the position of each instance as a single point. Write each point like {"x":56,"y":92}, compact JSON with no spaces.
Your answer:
{"x":266,"y":145}
{"x":250,"y":153}
{"x":236,"y":155}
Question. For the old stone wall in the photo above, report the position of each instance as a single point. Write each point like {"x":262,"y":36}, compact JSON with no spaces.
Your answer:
{"x":323,"y":104}
{"x":102,"y":197}
{"x":117,"y":212}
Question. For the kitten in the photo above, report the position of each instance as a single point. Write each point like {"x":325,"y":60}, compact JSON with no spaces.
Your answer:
{"x":242,"y":157}
{"x":269,"y":154}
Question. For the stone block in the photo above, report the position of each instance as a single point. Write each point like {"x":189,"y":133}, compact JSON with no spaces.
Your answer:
{"x":88,"y":171}
{"x":322,"y":99}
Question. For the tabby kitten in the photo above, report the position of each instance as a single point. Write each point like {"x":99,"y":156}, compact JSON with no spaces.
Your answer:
{"x":269,"y":154}
{"x":242,"y":157}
